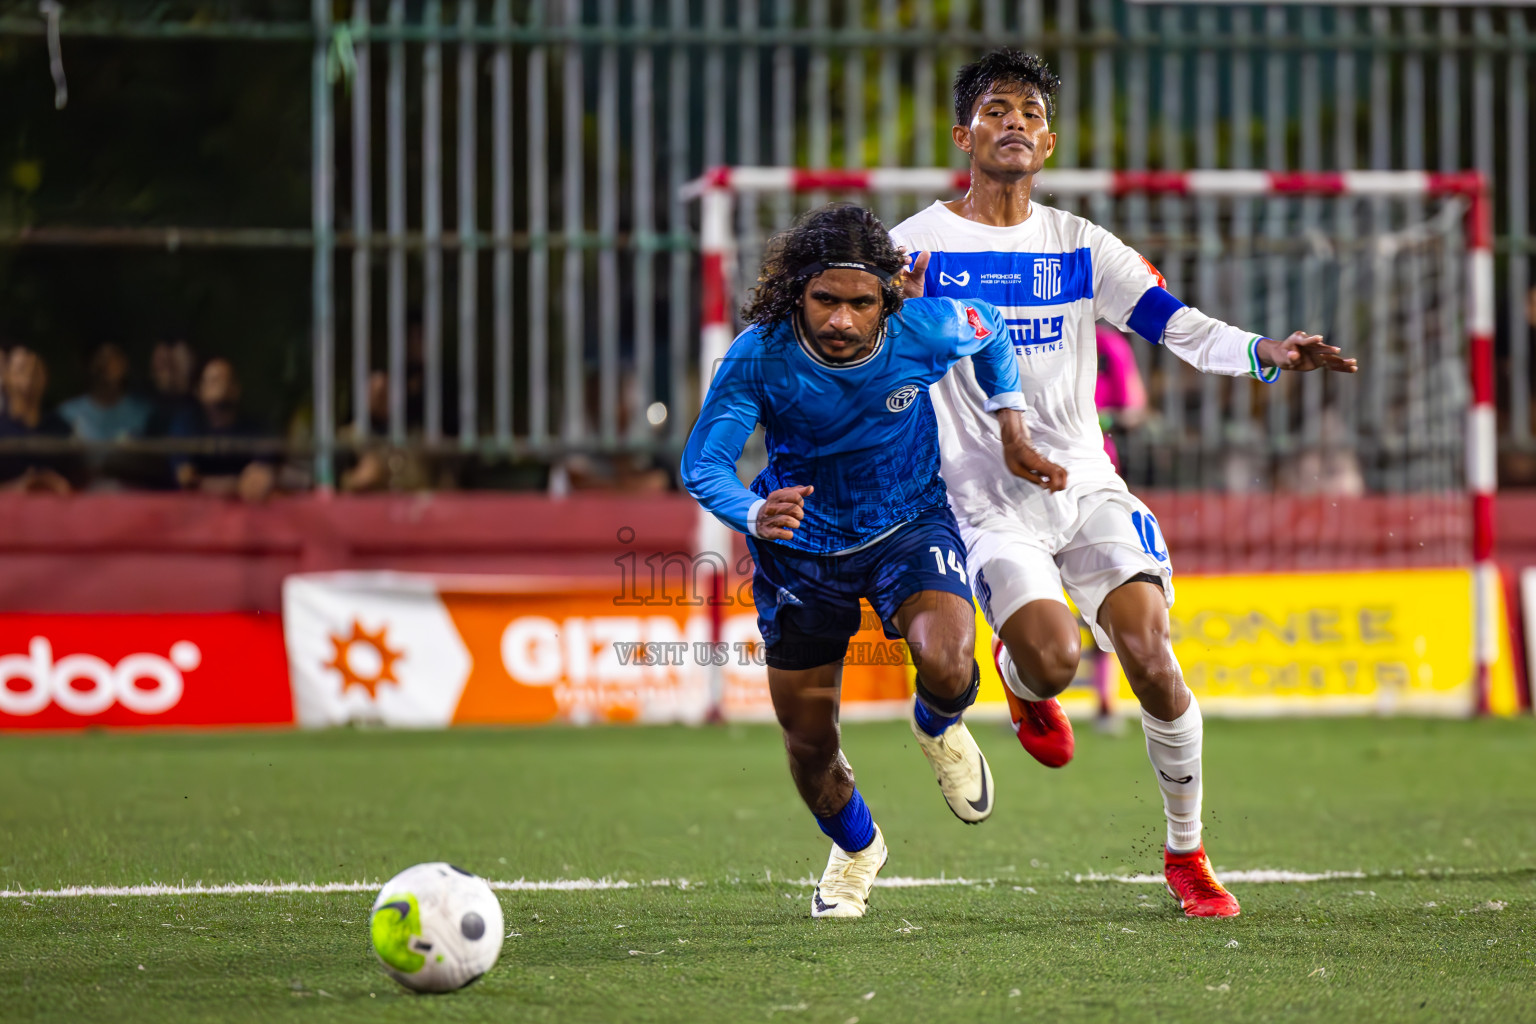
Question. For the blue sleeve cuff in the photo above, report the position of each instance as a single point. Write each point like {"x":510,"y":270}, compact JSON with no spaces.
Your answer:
{"x":1007,"y":400}
{"x":1267,"y":374}
{"x":1153,"y":311}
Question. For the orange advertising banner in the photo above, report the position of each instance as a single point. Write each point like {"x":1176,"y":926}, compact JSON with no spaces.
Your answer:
{"x":427,"y":651}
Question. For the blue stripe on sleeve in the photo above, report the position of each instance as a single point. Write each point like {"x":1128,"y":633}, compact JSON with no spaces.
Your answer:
{"x":1152,"y":313}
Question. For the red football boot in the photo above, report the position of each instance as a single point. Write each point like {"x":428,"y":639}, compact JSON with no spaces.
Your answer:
{"x":1042,"y":727}
{"x":1194,"y":885}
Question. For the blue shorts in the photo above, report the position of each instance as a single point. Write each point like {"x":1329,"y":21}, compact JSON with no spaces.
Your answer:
{"x":817,"y":596}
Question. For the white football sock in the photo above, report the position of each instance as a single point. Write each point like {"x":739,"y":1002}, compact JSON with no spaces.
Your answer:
{"x":1011,"y":677}
{"x":1174,"y":750}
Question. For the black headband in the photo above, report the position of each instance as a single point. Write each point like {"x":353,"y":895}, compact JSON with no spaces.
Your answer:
{"x":812,"y":269}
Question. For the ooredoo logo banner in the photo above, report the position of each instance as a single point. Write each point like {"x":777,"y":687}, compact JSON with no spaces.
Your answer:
{"x":75,"y":671}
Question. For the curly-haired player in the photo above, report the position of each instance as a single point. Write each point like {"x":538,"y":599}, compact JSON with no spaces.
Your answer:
{"x":836,"y":367}
{"x":1053,"y":275}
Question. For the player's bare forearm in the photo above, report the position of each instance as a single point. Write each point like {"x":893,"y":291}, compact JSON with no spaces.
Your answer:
{"x":1302,"y":351}
{"x":1020,"y":456}
{"x":783,"y":510}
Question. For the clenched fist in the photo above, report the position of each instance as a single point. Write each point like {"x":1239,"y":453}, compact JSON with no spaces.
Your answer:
{"x":781,"y":512}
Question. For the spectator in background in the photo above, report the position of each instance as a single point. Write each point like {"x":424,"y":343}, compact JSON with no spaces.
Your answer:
{"x":107,"y":412}
{"x":377,"y":464}
{"x":628,"y":472}
{"x":1118,"y":394}
{"x":1331,"y":467}
{"x":381,"y":466}
{"x":25,"y":380}
{"x":171,"y":369}
{"x":215,"y":417}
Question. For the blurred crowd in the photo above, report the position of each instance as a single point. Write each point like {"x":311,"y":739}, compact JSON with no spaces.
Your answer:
{"x":188,"y":399}
{"x":181,"y":424}
{"x":187,"y":428}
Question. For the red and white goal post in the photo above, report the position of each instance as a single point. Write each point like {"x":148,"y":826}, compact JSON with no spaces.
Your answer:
{"x":718,"y":189}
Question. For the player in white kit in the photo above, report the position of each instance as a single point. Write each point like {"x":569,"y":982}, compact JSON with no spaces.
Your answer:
{"x":1053,"y":274}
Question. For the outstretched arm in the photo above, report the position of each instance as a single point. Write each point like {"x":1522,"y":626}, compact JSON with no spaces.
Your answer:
{"x":1302,"y":352}
{"x":1131,"y":294}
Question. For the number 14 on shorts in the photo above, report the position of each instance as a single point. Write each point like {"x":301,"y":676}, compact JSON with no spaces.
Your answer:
{"x":954,"y":563}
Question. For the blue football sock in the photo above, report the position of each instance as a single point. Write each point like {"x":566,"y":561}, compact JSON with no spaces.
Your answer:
{"x":851,"y":828}
{"x":930,"y":721}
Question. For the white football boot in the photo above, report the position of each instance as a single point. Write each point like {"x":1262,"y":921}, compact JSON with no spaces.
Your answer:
{"x":957,"y":762}
{"x":844,"y":887}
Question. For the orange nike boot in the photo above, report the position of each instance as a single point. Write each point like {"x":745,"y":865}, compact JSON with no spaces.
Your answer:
{"x":1042,"y":727}
{"x":1191,"y":882}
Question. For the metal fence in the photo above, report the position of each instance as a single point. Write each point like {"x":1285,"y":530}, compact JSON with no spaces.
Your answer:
{"x":522,"y":214}
{"x":1377,"y":262}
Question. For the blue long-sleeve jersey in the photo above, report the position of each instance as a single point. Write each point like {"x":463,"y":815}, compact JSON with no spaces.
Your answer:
{"x":862,"y":433}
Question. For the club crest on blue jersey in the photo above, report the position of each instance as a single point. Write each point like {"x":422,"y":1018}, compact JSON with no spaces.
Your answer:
{"x":901,"y":398}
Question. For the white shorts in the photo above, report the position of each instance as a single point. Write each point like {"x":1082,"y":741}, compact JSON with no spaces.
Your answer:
{"x":1116,"y":538}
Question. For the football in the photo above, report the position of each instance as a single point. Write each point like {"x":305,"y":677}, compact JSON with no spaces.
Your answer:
{"x":436,"y":927}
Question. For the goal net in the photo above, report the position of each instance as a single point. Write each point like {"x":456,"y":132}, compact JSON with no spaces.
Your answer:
{"x":1388,"y":468}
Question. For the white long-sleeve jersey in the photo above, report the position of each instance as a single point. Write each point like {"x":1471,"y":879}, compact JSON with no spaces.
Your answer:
{"x":1053,"y":277}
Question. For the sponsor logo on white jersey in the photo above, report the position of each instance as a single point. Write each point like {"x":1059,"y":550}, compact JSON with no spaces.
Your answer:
{"x":1032,"y":334}
{"x":1047,"y":278}
{"x":84,"y":684}
{"x":959,"y":280}
{"x":901,"y":398}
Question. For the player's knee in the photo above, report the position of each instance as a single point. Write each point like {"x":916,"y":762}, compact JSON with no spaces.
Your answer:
{"x":1049,"y":668}
{"x":946,"y":671}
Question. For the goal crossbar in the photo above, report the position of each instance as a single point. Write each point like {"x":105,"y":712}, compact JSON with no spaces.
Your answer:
{"x":717,"y":188}
{"x":1383,"y":184}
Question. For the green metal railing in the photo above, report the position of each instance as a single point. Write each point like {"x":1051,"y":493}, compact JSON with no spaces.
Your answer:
{"x":596,"y":112}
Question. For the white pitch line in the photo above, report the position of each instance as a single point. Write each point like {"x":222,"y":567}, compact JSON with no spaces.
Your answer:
{"x":1260,"y":876}
{"x":279,"y":888}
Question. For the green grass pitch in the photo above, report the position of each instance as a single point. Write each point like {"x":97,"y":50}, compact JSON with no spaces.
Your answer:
{"x":1439,"y":815}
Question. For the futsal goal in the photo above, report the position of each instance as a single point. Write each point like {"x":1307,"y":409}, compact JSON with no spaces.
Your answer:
{"x":1393,"y":467}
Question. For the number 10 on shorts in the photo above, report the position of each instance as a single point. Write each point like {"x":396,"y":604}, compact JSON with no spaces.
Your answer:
{"x":954,"y":563}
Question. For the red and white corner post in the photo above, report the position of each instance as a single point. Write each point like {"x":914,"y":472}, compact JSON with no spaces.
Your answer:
{"x":713,"y":541}
{"x":1482,"y":439}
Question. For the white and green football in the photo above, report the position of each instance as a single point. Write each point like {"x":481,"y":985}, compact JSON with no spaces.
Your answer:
{"x":436,"y":927}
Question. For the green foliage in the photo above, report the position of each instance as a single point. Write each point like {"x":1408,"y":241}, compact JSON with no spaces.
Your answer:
{"x":205,"y":134}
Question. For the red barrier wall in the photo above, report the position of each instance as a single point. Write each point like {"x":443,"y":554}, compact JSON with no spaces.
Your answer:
{"x":172,"y":552}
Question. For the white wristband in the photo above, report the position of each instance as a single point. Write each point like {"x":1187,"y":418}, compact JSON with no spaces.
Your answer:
{"x":752,"y":517}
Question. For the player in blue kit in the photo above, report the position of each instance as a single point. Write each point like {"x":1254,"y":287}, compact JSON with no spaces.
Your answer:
{"x":836,"y":367}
